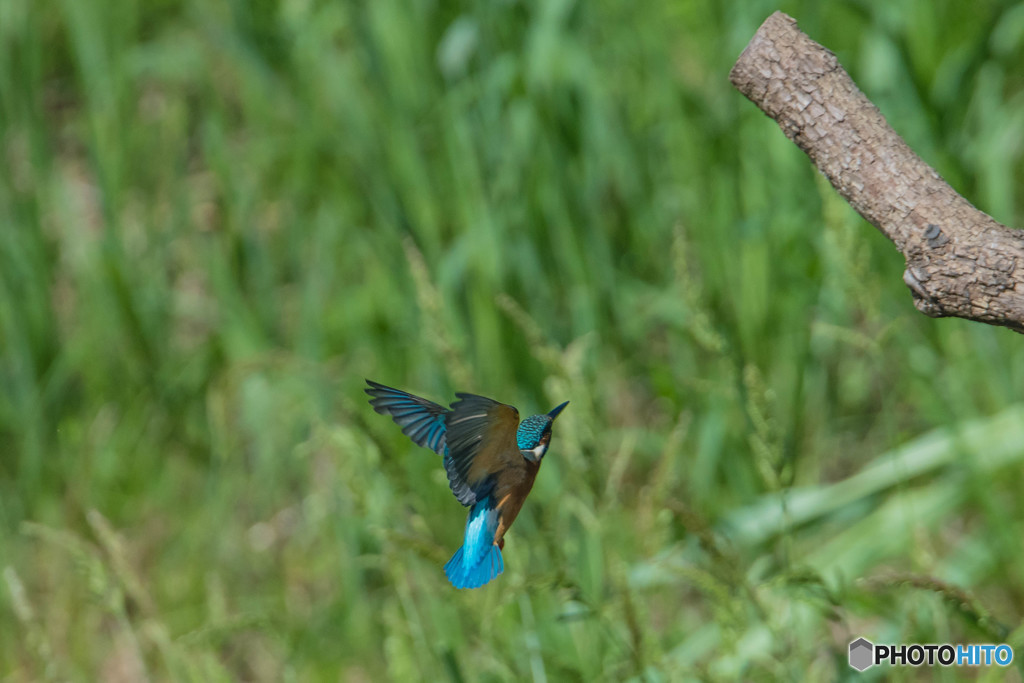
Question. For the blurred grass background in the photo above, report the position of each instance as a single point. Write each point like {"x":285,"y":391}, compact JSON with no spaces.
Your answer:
{"x":218,"y":217}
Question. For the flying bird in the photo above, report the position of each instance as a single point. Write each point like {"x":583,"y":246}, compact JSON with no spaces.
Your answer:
{"x":491,"y":459}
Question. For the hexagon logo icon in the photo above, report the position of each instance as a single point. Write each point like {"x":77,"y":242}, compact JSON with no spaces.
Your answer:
{"x":861,"y":654}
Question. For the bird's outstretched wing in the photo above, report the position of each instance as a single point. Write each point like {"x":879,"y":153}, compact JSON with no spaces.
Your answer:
{"x":421,"y":420}
{"x":481,"y":437}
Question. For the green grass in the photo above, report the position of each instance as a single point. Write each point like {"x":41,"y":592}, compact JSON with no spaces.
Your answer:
{"x":218,"y":218}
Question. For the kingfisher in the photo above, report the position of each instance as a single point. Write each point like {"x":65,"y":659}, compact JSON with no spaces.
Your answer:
{"x":491,"y":459}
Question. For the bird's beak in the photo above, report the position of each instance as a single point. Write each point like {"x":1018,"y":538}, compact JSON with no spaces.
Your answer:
{"x":555,"y":411}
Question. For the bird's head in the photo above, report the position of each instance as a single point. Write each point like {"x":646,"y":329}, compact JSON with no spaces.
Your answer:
{"x":534,"y":434}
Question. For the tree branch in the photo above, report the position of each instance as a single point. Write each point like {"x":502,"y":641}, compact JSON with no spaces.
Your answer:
{"x":960,"y":262}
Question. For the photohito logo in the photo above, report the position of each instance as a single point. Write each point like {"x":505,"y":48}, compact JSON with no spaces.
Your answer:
{"x":865,"y":654}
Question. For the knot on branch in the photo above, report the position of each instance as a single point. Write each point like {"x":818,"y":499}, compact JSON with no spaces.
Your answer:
{"x":924,"y":301}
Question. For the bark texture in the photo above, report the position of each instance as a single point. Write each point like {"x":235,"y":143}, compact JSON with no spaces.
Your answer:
{"x":960,"y":262}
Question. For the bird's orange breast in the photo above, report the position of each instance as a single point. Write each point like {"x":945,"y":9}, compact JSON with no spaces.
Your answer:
{"x":511,"y":491}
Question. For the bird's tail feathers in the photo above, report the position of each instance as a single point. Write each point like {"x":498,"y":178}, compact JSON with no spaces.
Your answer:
{"x":463,"y":575}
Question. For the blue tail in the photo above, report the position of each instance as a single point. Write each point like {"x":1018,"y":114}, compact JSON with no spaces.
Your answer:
{"x":464,"y":576}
